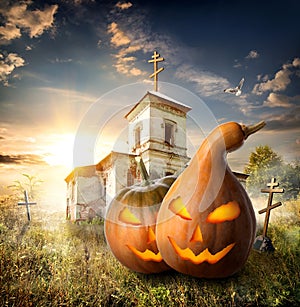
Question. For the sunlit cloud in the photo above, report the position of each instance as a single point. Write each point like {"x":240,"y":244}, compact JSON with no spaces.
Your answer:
{"x":206,"y":83}
{"x":279,"y":83}
{"x":8,"y":63}
{"x":119,"y":38}
{"x":9,"y":32}
{"x":281,"y":79}
{"x":19,"y":17}
{"x":287,"y":120}
{"x":276,"y":100}
{"x":44,"y":148}
{"x":124,"y":5}
{"x":24,"y":159}
{"x":296,"y":62}
{"x":253,"y":54}
{"x":132,"y":34}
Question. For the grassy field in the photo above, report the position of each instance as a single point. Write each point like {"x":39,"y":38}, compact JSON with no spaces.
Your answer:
{"x":52,"y":262}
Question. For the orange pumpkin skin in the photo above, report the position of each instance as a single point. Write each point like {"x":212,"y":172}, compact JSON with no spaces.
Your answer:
{"x":202,"y":229}
{"x":130,"y":226}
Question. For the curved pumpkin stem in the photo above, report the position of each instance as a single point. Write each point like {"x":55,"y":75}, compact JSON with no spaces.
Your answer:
{"x":145,"y":175}
{"x":252,"y":129}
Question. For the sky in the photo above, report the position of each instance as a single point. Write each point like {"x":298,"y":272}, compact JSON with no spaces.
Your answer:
{"x":71,"y":68}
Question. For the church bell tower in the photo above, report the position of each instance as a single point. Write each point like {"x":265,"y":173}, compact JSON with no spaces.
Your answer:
{"x":157,"y":130}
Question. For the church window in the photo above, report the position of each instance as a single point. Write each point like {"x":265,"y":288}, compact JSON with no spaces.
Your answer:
{"x":73,"y":196}
{"x":137,"y":136}
{"x":169,"y":132}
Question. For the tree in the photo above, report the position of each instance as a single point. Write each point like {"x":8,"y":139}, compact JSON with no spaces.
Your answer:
{"x":264,"y":157}
{"x":264,"y":164}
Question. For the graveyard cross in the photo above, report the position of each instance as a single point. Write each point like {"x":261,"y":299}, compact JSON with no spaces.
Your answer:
{"x":156,"y":59}
{"x":27,"y":204}
{"x":271,"y":190}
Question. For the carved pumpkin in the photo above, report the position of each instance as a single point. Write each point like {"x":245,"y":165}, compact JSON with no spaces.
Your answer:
{"x":130,"y":224}
{"x":206,"y":223}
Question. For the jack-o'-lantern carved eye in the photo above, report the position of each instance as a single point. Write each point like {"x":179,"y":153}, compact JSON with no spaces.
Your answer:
{"x":177,"y":207}
{"x":226,"y":212}
{"x":126,"y":216}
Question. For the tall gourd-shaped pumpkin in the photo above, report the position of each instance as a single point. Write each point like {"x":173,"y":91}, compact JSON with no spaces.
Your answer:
{"x":206,"y":224}
{"x":130,"y":224}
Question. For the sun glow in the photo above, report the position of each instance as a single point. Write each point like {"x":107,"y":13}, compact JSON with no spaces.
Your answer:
{"x":60,"y":151}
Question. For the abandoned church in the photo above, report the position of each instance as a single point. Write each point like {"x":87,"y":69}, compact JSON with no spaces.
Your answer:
{"x":156,"y":133}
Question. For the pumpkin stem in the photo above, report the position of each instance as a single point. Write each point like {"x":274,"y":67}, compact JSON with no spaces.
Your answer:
{"x":145,"y":175}
{"x":252,"y":129}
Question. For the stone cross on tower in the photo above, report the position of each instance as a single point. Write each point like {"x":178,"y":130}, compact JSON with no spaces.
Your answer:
{"x":156,"y":58}
{"x":27,"y":204}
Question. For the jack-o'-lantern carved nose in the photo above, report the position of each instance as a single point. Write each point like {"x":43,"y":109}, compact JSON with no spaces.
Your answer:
{"x":197,"y":235}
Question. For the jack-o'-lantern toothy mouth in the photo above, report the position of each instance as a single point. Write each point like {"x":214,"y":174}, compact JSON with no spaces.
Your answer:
{"x":147,"y":255}
{"x":205,"y":255}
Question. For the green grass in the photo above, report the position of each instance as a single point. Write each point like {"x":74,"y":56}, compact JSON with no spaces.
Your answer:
{"x":71,"y":265}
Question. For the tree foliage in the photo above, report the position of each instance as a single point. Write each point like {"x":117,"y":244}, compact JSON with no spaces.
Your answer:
{"x":264,"y":164}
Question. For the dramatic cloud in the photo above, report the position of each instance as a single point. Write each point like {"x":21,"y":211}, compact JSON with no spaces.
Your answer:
{"x":125,"y":62}
{"x":132,"y":34}
{"x":9,"y":32}
{"x":253,"y":54}
{"x":18,"y":17}
{"x":23,"y":159}
{"x":207,"y":84}
{"x":288,"y":120}
{"x":281,"y":80}
{"x":119,"y":38}
{"x":124,"y":5}
{"x":8,"y":64}
{"x":296,"y":62}
{"x":277,"y":100}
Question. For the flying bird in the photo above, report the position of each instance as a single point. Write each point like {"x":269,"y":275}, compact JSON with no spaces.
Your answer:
{"x":237,"y":91}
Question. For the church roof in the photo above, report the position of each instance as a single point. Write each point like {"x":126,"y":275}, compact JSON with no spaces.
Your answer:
{"x":156,"y":97}
{"x":82,"y":171}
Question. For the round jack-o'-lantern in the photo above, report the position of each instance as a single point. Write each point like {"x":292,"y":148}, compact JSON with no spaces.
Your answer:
{"x":206,"y":229}
{"x":130,"y":224}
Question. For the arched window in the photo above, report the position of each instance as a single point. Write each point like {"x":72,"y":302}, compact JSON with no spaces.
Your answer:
{"x":170,"y":128}
{"x":137,"y":134}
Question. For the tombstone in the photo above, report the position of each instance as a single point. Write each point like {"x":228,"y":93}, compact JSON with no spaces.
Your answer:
{"x":263,"y":243}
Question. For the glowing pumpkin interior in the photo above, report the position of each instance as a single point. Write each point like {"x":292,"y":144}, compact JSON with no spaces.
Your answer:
{"x":127,"y":217}
{"x":226,"y":212}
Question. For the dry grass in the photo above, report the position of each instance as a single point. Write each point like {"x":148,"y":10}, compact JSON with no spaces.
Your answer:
{"x":71,"y":265}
